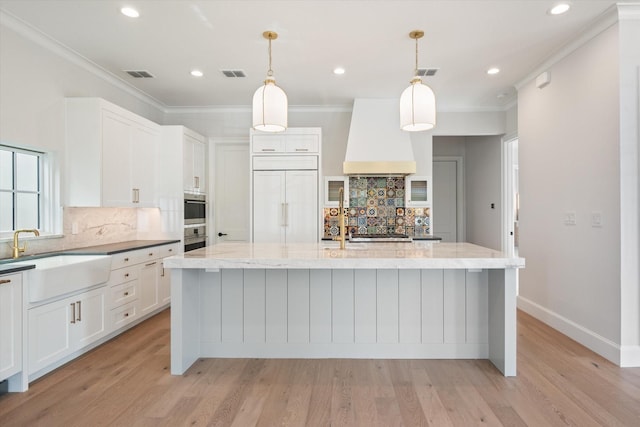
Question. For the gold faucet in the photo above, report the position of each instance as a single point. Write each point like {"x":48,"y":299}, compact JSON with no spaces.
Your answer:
{"x":341,"y":219}
{"x":17,"y":250}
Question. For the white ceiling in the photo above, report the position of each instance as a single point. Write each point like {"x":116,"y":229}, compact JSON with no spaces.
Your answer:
{"x":368,"y":38}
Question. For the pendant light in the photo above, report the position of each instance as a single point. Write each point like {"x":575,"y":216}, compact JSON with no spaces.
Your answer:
{"x":269,"y":101}
{"x":417,"y":102}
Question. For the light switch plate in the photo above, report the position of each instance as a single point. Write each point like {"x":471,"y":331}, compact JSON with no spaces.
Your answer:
{"x":570,"y":218}
{"x":596,"y":219}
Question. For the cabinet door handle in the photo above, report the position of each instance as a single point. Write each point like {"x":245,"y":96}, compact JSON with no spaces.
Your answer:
{"x":150,"y":264}
{"x":79,"y":311}
{"x":286,"y":214}
{"x":196,"y":180}
{"x":162,"y":272}
{"x":73,"y":312}
{"x":268,"y":149}
{"x":133,"y":195}
{"x":302,"y":149}
{"x":3,"y":281}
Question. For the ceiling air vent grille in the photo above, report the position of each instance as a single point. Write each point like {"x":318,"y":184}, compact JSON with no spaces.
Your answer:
{"x":233,"y":73}
{"x":422,"y":72}
{"x":139,"y":74}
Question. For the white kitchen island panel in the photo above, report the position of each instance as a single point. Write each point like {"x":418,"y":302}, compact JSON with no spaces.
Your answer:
{"x":338,"y":313}
{"x":261,"y":301}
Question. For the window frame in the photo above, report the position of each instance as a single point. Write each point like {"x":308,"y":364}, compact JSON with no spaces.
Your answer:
{"x":40,"y":192}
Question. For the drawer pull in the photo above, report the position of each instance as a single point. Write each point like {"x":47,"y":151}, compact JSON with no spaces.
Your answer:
{"x":302,"y":149}
{"x":126,"y":294}
{"x":126,"y":315}
{"x":268,"y":149}
{"x":126,"y":260}
{"x":150,"y":253}
{"x":126,"y":274}
{"x":3,"y":281}
{"x":150,"y":264}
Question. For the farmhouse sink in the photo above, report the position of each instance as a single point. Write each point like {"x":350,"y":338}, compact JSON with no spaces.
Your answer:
{"x":60,"y":274}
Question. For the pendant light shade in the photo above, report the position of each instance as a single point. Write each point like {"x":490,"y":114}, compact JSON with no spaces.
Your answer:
{"x":417,"y":102}
{"x":270,"y":103}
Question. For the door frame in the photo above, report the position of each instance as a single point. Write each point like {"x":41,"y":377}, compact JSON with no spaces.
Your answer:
{"x":508,"y":194}
{"x":461,"y":220}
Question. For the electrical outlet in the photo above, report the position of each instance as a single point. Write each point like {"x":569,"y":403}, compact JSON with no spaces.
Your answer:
{"x":570,"y":218}
{"x":596,"y":219}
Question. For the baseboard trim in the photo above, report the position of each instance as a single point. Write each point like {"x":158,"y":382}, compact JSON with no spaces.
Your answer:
{"x":593,"y":341}
{"x":630,"y":356}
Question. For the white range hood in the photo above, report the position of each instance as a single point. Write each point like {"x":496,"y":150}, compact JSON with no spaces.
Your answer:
{"x":376,"y":145}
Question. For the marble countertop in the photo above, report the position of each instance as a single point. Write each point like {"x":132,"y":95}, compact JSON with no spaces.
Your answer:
{"x":15,"y":268}
{"x":325,"y":254}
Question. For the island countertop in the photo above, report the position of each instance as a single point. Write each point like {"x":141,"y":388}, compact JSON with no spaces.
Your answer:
{"x":402,"y":255}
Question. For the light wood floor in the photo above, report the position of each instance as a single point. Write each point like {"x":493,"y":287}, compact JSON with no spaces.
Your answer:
{"x":126,"y":382}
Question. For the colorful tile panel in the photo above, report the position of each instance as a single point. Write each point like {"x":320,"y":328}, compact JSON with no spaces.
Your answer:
{"x":376,"y":206}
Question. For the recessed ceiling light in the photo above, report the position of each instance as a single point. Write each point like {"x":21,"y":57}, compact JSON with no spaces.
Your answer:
{"x":493,"y":70}
{"x":130,"y":12}
{"x":338,"y":70}
{"x":197,"y":73}
{"x":560,"y":8}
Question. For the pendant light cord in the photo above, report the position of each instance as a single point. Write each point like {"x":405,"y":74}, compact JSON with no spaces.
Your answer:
{"x":416,"y":69}
{"x":270,"y":71}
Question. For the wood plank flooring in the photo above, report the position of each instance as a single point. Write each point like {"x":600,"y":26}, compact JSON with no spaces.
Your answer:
{"x":126,"y":382}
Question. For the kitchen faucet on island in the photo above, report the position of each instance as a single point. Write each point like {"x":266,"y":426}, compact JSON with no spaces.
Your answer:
{"x":341,"y":218}
{"x":17,"y":250}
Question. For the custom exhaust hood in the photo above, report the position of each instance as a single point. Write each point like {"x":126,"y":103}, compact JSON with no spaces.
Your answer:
{"x":376,"y":145}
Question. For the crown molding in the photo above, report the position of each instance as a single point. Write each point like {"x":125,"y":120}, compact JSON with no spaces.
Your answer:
{"x":242,"y":109}
{"x":608,"y":18}
{"x":33,"y":34}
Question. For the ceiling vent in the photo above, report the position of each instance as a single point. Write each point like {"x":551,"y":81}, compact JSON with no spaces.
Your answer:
{"x":233,"y":73}
{"x":422,"y":72}
{"x":139,"y":74}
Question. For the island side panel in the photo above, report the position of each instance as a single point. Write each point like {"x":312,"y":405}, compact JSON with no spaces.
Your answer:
{"x":185,"y":319}
{"x":502,"y":320}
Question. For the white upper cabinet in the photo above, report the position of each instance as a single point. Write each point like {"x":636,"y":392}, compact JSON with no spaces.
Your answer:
{"x":194,"y":156}
{"x":111,"y":155}
{"x":418,"y":191}
{"x":293,"y":140}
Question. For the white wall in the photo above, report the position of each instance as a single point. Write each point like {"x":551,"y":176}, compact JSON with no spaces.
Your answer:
{"x":569,"y":161}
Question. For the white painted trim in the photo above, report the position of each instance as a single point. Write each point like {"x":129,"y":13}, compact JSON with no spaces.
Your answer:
{"x":507,"y":217}
{"x":593,"y":341}
{"x":608,"y":18}
{"x":628,"y":11}
{"x":630,"y":356}
{"x":229,"y":140}
{"x":461,"y":198}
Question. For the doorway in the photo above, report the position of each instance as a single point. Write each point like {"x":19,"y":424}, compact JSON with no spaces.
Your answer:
{"x":448,"y":199}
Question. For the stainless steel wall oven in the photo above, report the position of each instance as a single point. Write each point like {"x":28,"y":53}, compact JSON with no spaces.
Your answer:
{"x":195,"y":209}
{"x":195,"y":221}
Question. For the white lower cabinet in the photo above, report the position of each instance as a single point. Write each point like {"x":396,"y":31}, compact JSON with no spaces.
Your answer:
{"x":10,"y":325}
{"x":138,"y":284}
{"x":62,"y":327}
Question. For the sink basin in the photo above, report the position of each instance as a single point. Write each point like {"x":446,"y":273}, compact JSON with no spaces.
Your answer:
{"x":61,"y":274}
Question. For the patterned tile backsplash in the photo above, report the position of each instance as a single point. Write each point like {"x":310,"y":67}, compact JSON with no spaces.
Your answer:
{"x":376,"y":206}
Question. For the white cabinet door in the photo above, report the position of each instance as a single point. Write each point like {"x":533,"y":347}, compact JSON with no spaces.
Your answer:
{"x":301,"y":203}
{"x":143,"y":164}
{"x":194,"y":164}
{"x":10,"y":325}
{"x":61,"y":327}
{"x":269,"y":206}
{"x":148,"y":285}
{"x":49,"y":333}
{"x":164,"y":284}
{"x":116,"y":160}
{"x":90,"y":322}
{"x":285,"y":206}
{"x":199,"y":154}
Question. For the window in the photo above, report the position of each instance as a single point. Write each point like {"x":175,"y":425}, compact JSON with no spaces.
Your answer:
{"x":21,"y":182}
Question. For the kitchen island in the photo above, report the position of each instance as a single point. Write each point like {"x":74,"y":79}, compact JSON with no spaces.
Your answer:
{"x":372,"y":300}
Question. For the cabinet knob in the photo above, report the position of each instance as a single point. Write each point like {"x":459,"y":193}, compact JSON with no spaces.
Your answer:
{"x":126,"y":275}
{"x":126,"y":260}
{"x":126,"y":294}
{"x":126,"y":315}
{"x":221,"y":234}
